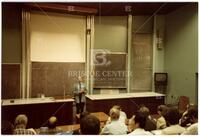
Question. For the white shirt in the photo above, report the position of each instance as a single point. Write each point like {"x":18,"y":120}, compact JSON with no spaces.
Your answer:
{"x":115,"y":128}
{"x":157,"y":132}
{"x":173,"y":130}
{"x":191,"y":130}
{"x":122,"y":117}
{"x":140,"y":131}
{"x":161,"y":123}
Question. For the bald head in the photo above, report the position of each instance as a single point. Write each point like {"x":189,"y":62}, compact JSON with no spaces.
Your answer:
{"x":52,"y":122}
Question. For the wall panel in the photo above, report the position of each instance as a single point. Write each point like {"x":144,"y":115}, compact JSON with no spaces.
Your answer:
{"x":10,"y":81}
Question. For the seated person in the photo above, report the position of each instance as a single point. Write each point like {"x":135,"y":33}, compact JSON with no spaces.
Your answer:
{"x":20,"y":126}
{"x":76,"y":131}
{"x":193,"y":116}
{"x":161,"y":123}
{"x":137,"y":124}
{"x":7,"y":128}
{"x":122,"y":115}
{"x":185,"y":119}
{"x":51,"y":129}
{"x":172,"y":119}
{"x":84,"y":114}
{"x":115,"y":127}
{"x":90,"y":125}
{"x":150,"y":122}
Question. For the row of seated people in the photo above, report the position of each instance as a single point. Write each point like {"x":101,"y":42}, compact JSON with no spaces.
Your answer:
{"x":169,"y":122}
{"x":89,"y":125}
{"x":142,"y":123}
{"x":19,"y":127}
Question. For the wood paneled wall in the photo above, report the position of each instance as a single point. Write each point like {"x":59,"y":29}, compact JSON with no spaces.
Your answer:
{"x":10,"y":81}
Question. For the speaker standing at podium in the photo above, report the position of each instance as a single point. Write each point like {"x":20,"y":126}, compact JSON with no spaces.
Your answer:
{"x":79,"y":95}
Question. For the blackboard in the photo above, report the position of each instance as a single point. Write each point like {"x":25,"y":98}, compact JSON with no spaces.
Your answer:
{"x":110,"y":70}
{"x":55,"y":78}
{"x":141,"y":62}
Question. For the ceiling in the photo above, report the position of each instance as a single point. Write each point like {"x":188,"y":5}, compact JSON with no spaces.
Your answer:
{"x":107,"y":9}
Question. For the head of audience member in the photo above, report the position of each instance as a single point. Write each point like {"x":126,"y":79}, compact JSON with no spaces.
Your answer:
{"x":187,"y":117}
{"x":114,"y":114}
{"x":144,"y":110}
{"x":172,"y":116}
{"x":117,"y":107}
{"x":162,"y":109}
{"x":137,"y":121}
{"x":7,"y":128}
{"x":52,"y":122}
{"x":21,"y":121}
{"x":90,"y":125}
{"x":193,"y":114}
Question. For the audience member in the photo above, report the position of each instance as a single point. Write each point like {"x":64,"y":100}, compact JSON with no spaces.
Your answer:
{"x":76,"y":131}
{"x":172,"y":119}
{"x":83,"y":114}
{"x":137,"y":124}
{"x":7,"y":128}
{"x":115,"y":127}
{"x":193,"y":116}
{"x":20,"y":126}
{"x":51,"y":129}
{"x":90,"y":125}
{"x":150,"y":122}
{"x":140,"y":124}
{"x":122,"y":115}
{"x":185,"y":119}
{"x":161,"y":123}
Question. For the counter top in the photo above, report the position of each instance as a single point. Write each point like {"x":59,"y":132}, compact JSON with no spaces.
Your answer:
{"x":8,"y":102}
{"x":123,"y":95}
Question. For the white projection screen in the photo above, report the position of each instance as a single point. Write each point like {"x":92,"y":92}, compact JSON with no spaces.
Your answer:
{"x":57,"y":37}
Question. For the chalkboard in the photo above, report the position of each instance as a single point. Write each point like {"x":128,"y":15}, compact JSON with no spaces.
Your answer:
{"x":55,"y":78}
{"x":110,"y":70}
{"x":141,"y":63}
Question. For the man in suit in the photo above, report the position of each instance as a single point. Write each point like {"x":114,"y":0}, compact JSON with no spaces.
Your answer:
{"x":79,"y":95}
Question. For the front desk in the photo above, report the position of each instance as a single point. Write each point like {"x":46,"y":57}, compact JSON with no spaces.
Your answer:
{"x":38,"y":110}
{"x":130,"y":102}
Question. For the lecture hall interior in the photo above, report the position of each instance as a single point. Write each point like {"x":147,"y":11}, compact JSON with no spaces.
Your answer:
{"x":79,"y":67}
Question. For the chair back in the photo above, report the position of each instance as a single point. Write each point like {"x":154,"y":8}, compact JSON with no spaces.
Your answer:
{"x":183,"y":103}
